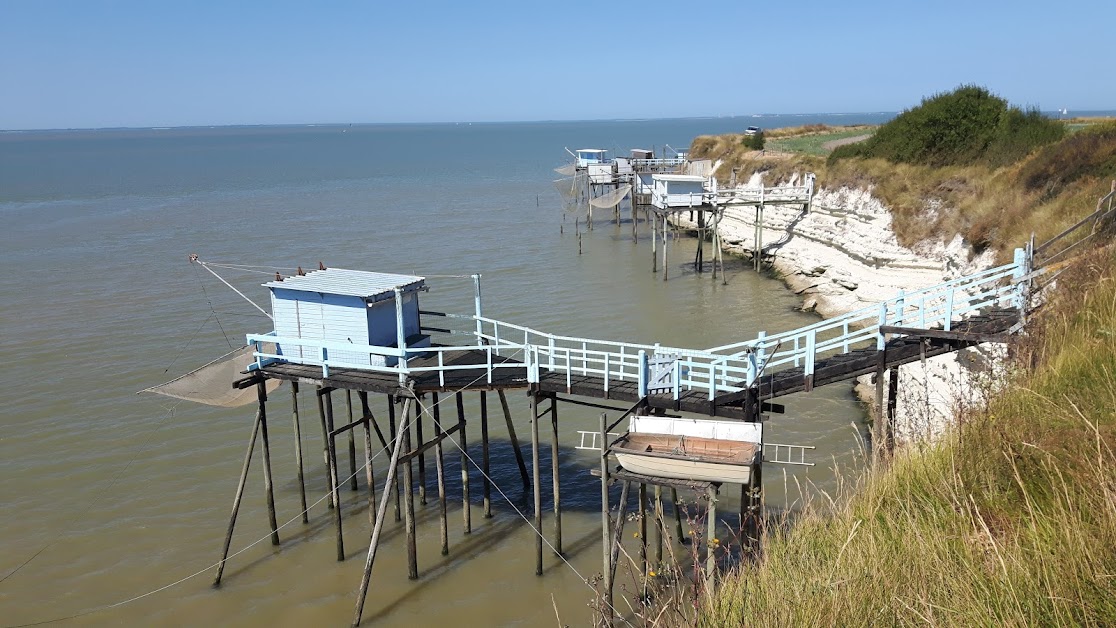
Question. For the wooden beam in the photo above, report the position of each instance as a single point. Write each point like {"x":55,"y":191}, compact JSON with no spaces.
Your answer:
{"x":941,"y":334}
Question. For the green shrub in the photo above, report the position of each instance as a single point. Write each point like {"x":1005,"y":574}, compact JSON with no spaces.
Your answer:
{"x":1088,"y":153}
{"x":967,"y":126}
{"x":754,"y":142}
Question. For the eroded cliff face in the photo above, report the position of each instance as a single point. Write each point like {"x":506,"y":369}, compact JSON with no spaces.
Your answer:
{"x":842,"y":255}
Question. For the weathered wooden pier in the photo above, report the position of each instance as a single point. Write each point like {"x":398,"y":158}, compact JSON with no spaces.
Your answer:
{"x":360,"y":336}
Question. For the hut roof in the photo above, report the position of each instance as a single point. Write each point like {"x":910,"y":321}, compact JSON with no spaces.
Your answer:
{"x":354,"y":283}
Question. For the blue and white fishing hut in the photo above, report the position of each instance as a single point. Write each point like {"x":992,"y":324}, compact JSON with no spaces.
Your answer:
{"x":319,"y":313}
{"x":586,"y":156}
{"x":678,"y":190}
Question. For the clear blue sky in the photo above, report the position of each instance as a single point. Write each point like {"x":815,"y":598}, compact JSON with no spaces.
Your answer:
{"x":90,"y":63}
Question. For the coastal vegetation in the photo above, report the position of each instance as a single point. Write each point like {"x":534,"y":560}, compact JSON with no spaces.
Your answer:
{"x":1010,"y":519}
{"x":1024,"y":174}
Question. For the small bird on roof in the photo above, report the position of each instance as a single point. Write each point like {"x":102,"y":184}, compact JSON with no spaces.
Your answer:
{"x":278,"y":277}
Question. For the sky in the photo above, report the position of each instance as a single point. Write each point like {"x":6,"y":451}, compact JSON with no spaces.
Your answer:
{"x":93,"y":63}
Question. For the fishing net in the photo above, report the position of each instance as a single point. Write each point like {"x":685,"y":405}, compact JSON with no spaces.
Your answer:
{"x":613,"y":198}
{"x":212,"y":384}
{"x":567,"y":170}
{"x":569,"y":188}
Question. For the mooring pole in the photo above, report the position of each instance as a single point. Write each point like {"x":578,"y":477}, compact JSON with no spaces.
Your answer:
{"x":236,"y":500}
{"x":335,"y":489}
{"x":376,"y":529}
{"x":711,"y":536}
{"x":554,"y":470}
{"x":514,"y":440}
{"x":269,"y":485}
{"x":466,"y":512}
{"x":298,"y":452}
{"x":485,"y":461}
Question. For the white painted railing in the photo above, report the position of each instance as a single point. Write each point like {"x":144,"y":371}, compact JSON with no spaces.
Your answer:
{"x":724,"y":369}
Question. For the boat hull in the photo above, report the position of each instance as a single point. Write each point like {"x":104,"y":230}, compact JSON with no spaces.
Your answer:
{"x":685,"y":469}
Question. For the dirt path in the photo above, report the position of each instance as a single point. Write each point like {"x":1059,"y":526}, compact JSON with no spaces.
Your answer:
{"x":830,"y":145}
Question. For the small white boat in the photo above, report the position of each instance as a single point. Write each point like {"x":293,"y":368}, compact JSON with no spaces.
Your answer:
{"x":690,"y":449}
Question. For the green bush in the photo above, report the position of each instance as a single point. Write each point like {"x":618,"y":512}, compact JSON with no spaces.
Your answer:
{"x":967,"y":126}
{"x":754,"y":142}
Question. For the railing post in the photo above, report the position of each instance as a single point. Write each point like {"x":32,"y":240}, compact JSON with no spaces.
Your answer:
{"x":677,"y":380}
{"x":811,"y":349}
{"x":760,"y":337}
{"x":642,"y":373}
{"x":947,"y":324}
{"x":400,"y":336}
{"x":712,"y":380}
{"x":606,"y":365}
{"x":550,"y":344}
{"x":477,"y":306}
{"x":922,"y":312}
{"x":325,"y":362}
{"x":1020,"y":271}
{"x":901,"y":306}
{"x":527,"y":365}
{"x":881,"y":341}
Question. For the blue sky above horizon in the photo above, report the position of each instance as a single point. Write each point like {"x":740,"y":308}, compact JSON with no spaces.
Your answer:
{"x":82,"y":64}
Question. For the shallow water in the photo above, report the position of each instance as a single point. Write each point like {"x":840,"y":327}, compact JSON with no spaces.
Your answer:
{"x":117,"y":495}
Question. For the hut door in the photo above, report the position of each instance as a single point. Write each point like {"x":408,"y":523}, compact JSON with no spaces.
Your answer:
{"x":311,"y":322}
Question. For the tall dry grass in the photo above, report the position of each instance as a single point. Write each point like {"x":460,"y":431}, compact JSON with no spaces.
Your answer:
{"x":1010,"y":522}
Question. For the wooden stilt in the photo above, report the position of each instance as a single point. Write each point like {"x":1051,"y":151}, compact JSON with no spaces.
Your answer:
{"x":654,"y":243}
{"x":236,"y":500}
{"x":335,"y":489}
{"x":606,"y":548}
{"x":643,"y":527}
{"x":352,"y":443}
{"x":514,"y":440}
{"x":878,"y":428}
{"x":555,"y":474}
{"x":892,"y":401}
{"x":269,"y":485}
{"x":440,"y":470}
{"x":618,"y":532}
{"x":536,"y":484}
{"x":659,"y":527}
{"x":325,"y":438}
{"x":409,"y":500}
{"x":485,"y":461}
{"x":666,"y":268}
{"x":298,"y":452}
{"x":466,"y":511}
{"x":374,"y":544}
{"x":421,"y":456}
{"x":394,"y":484}
{"x":369,"y":476}
{"x":711,"y":535}
{"x":677,"y":516}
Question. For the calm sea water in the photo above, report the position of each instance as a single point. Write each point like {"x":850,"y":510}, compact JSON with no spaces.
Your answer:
{"x":116,"y":495}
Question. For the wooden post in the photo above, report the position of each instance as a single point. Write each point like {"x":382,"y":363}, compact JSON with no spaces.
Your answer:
{"x":536,"y":483}
{"x":892,"y":394}
{"x":677,"y":516}
{"x":239,"y":496}
{"x":321,"y":392}
{"x":369,"y":476}
{"x":643,"y":527}
{"x":606,"y":549}
{"x":298,"y":452}
{"x":409,"y":501}
{"x":466,"y":512}
{"x":660,"y":528}
{"x":440,"y":470}
{"x":269,"y":485}
{"x":485,"y":460}
{"x":352,"y":443}
{"x":878,"y":430}
{"x":421,"y":456}
{"x":514,"y":440}
{"x":335,"y":489}
{"x":618,"y":533}
{"x":654,"y":243}
{"x":666,"y":268}
{"x":395,"y":476}
{"x":711,"y":536}
{"x":554,"y":471}
{"x":375,"y":542}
